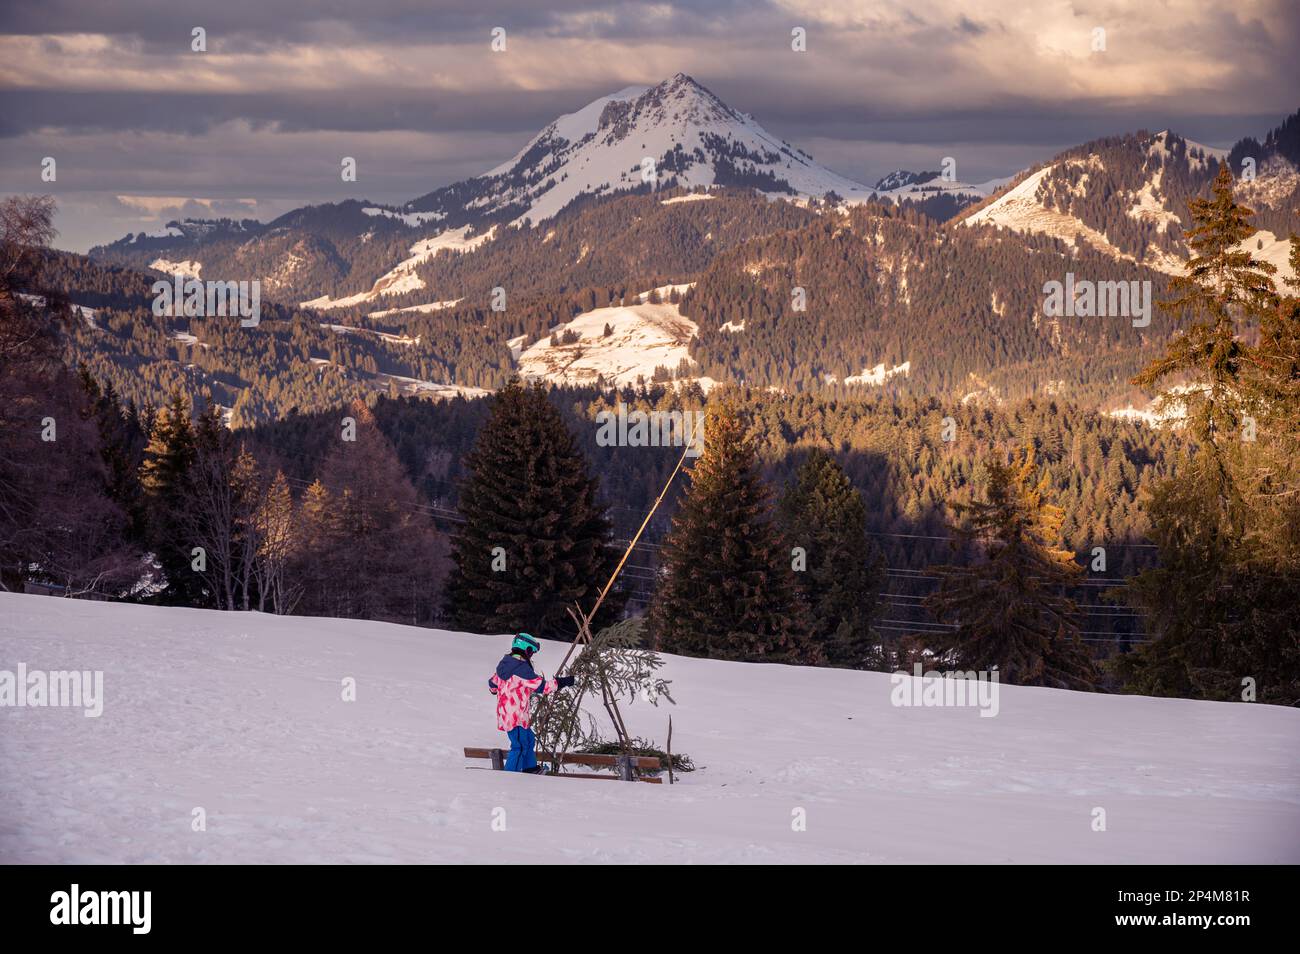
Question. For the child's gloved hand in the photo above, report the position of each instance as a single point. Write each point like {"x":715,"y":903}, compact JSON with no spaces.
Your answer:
{"x":563,"y":682}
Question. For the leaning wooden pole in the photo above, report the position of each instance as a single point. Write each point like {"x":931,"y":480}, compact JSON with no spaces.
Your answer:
{"x":583,"y":621}
{"x":671,"y":780}
{"x":584,"y":627}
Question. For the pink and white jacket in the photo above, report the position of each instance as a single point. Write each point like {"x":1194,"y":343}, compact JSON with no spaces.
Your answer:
{"x":513,"y":684}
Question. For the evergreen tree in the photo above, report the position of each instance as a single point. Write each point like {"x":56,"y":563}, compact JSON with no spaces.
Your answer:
{"x":1223,"y":289}
{"x":727,"y":589}
{"x":122,"y":441}
{"x":165,"y":483}
{"x":1187,"y":598}
{"x":535,"y":542}
{"x":1006,"y":608}
{"x":824,"y":514}
{"x":1271,"y":383}
{"x":1220,"y":606}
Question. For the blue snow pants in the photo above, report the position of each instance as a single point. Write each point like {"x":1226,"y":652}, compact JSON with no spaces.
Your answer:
{"x":523,"y":753}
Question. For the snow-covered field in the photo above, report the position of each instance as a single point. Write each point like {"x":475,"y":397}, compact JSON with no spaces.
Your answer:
{"x":242,"y":715}
{"x":642,"y":337}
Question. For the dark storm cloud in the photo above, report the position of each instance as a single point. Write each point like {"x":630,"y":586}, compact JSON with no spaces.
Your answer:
{"x":165,"y":23}
{"x":347,"y":110}
{"x":412,"y":85}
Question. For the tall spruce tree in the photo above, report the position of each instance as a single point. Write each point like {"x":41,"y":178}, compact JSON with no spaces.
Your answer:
{"x":1223,"y":289}
{"x":122,"y":442}
{"x":535,"y":540}
{"x":1220,"y":606}
{"x":1271,"y":386}
{"x":727,"y":589}
{"x":165,"y":482}
{"x":843,"y":572}
{"x":1006,"y":607}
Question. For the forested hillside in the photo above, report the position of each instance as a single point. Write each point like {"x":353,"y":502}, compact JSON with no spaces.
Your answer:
{"x":784,"y":297}
{"x":963,"y":307}
{"x":891,"y":448}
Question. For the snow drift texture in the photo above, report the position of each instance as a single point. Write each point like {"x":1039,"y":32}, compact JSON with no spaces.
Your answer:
{"x":241,"y":714}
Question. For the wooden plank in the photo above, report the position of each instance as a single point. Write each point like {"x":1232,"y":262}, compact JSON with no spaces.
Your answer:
{"x":605,"y":761}
{"x":649,"y":780}
{"x":576,"y":758}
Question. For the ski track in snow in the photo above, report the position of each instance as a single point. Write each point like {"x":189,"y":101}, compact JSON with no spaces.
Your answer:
{"x":240,"y":713}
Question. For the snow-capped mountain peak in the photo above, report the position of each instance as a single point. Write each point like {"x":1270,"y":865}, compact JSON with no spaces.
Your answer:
{"x":569,"y":128}
{"x":674,"y":133}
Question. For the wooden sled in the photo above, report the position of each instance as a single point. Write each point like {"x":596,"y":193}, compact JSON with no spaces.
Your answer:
{"x":625,"y":765}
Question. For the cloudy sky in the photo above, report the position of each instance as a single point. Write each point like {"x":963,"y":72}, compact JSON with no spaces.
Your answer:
{"x":144,"y":129}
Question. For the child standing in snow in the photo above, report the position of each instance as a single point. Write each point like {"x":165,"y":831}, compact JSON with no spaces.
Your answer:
{"x":513,"y":684}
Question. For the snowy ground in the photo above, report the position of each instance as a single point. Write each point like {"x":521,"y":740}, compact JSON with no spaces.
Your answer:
{"x":241,"y":714}
{"x":642,"y":337}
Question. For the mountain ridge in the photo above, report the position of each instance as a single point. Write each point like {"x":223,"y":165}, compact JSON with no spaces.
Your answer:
{"x":677,"y":134}
{"x":1128,"y":195}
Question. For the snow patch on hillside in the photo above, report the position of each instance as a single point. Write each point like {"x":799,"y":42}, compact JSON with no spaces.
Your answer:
{"x":426,"y":308}
{"x":190,"y":339}
{"x":1267,"y":247}
{"x":188,"y":268}
{"x":1163,"y":410}
{"x":689,"y":197}
{"x":1275,"y":180}
{"x":1199,"y":156}
{"x":416,"y":386}
{"x":665,"y":291}
{"x":382,"y":335}
{"x":402,"y":277}
{"x":87,"y":313}
{"x":1149,"y":206}
{"x":879,"y":374}
{"x":412,"y":219}
{"x":642,"y":337}
{"x":1020,"y":210}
